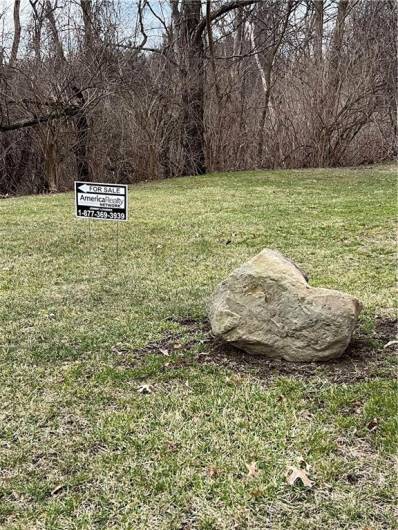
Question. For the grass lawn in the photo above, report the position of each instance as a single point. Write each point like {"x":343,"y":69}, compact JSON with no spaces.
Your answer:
{"x":208,"y":447}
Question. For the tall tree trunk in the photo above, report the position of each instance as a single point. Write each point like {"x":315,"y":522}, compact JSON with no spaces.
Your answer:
{"x":17,"y":33}
{"x":318,"y":37}
{"x":54,"y":34}
{"x":192,"y":86}
{"x":266,"y":71}
{"x":239,"y":74}
{"x":190,"y":26}
{"x":89,"y":26}
{"x":264,"y":113}
{"x":332,"y":89}
{"x":265,"y":76}
{"x":335,"y":54}
{"x":74,"y":93}
{"x":37,"y":28}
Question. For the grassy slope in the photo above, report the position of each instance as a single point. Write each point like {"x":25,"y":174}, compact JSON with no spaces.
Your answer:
{"x":81,"y":448}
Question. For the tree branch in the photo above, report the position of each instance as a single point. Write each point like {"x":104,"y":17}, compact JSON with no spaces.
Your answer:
{"x":22,"y":124}
{"x":141,"y":23}
{"x":219,"y":13}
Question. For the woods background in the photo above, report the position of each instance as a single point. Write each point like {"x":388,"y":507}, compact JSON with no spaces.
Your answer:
{"x":128,"y":91}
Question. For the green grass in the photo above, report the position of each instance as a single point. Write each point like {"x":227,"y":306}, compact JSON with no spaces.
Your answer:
{"x":81,"y":448}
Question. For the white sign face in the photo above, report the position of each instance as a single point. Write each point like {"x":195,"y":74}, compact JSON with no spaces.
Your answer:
{"x":101,"y":201}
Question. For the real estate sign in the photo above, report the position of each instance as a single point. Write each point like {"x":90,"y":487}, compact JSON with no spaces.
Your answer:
{"x":101,"y":201}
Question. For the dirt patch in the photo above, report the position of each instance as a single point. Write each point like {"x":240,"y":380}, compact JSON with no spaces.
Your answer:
{"x":366,"y":357}
{"x":189,"y":322}
{"x":196,"y":332}
{"x":386,"y":329}
{"x":175,"y":344}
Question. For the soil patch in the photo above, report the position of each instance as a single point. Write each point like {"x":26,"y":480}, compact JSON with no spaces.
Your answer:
{"x":366,"y":357}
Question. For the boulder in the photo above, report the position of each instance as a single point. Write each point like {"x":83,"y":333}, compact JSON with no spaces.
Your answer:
{"x":267,"y":307}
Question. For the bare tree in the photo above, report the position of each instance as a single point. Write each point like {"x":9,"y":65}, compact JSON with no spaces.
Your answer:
{"x":190,"y":86}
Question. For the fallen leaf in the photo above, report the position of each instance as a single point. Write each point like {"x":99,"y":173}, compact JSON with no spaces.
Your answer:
{"x":119,"y":350}
{"x":212,"y":471}
{"x":357,"y":407}
{"x":294,"y":474}
{"x":164,"y":352}
{"x":58,"y":489}
{"x":252,"y":469}
{"x":257,"y":493}
{"x":353,"y":478}
{"x":390,"y":343}
{"x":145,"y":389}
{"x":237,"y":379}
{"x":373,"y":424}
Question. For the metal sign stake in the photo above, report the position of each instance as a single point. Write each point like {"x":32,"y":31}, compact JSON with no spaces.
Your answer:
{"x":117,"y":242}
{"x":89,"y":237}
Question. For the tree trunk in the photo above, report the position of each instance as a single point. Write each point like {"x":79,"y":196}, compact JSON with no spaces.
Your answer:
{"x":55,"y":35}
{"x":81,"y":147}
{"x":192,"y":87}
{"x":318,"y":40}
{"x":238,"y":73}
{"x":88,"y":22}
{"x":266,"y":70}
{"x":37,"y":28}
{"x":332,"y":95}
{"x":17,"y":33}
{"x":264,"y":113}
{"x":50,"y":163}
{"x":190,"y":26}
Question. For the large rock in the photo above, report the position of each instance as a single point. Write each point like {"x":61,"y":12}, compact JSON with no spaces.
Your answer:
{"x":267,"y":307}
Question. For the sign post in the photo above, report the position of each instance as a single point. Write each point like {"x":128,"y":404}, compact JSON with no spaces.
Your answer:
{"x":103,"y":202}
